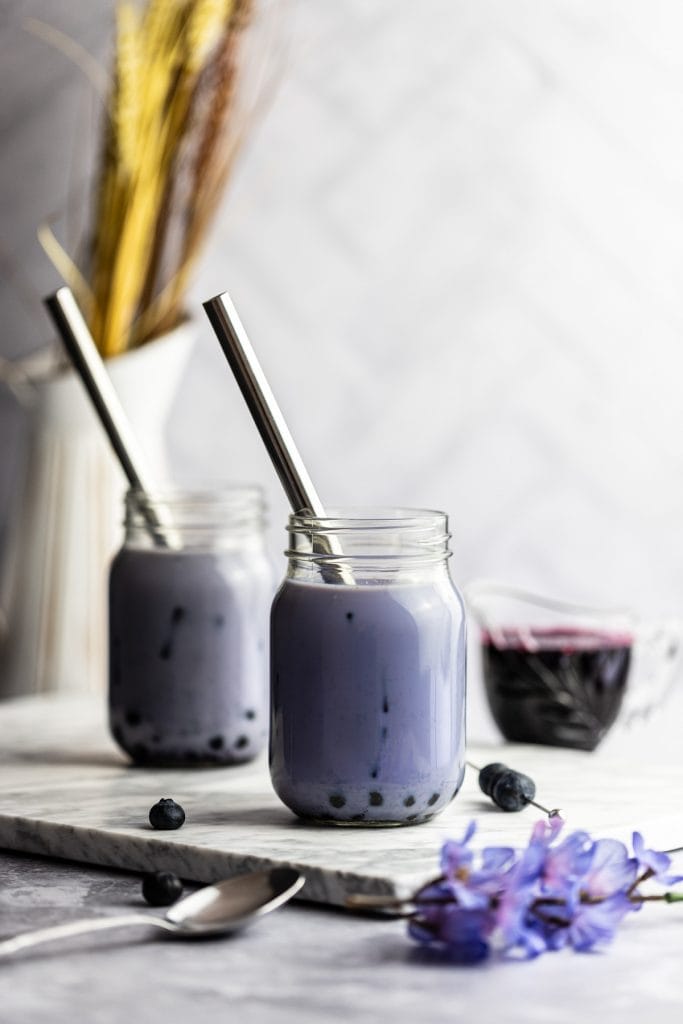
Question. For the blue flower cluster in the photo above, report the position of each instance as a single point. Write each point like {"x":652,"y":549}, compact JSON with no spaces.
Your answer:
{"x":553,"y":894}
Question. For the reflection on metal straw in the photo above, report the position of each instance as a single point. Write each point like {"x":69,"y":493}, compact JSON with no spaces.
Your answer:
{"x":271,"y":425}
{"x":87,"y":362}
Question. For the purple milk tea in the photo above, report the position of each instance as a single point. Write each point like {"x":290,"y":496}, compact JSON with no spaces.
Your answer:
{"x":557,"y":686}
{"x":368,"y":697}
{"x":188,"y":650}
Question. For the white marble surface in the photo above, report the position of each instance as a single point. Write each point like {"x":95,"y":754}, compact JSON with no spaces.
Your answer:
{"x":67,"y":792}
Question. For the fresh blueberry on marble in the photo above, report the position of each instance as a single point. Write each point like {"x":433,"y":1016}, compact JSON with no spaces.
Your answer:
{"x":489,"y":775}
{"x":166,"y":815}
{"x":512,"y":791}
{"x":161,"y":888}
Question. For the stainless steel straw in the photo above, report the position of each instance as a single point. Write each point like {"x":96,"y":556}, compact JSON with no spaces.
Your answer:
{"x":270,"y":423}
{"x":87,"y":362}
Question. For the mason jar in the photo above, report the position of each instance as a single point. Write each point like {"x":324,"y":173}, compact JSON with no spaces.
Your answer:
{"x":368,"y":658}
{"x":188,"y":609}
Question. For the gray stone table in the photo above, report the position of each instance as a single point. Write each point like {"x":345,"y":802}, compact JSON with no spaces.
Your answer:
{"x":305,"y":963}
{"x":316,"y":963}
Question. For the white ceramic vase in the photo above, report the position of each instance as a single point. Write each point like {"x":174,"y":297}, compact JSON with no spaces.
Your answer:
{"x":67,"y":520}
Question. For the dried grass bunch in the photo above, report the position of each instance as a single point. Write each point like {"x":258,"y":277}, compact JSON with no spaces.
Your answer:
{"x":172,"y":128}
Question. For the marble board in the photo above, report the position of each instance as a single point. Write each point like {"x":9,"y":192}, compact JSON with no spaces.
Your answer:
{"x":66,"y":791}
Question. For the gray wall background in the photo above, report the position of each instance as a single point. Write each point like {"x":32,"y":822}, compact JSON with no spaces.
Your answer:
{"x":457,"y":241}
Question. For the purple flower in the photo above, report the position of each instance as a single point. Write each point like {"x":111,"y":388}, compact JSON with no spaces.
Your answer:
{"x":598,"y":899}
{"x":595,"y":923}
{"x":566,"y":862}
{"x":657,"y":864}
{"x":446,"y":918}
{"x":460,"y":934}
{"x":609,"y":872}
{"x":549,"y":895}
{"x":455,"y":856}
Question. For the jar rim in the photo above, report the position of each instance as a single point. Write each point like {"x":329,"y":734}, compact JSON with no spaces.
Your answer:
{"x":185,"y":517}
{"x":202,"y":494}
{"x":201,"y":504}
{"x":368,"y":517}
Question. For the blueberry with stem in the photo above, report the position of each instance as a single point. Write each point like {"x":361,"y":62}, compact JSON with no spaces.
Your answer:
{"x":509,"y":790}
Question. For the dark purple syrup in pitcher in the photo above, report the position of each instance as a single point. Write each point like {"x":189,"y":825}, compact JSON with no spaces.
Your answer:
{"x":561,"y":687}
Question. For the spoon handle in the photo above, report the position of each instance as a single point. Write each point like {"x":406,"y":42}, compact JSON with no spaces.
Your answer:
{"x":81,"y":927}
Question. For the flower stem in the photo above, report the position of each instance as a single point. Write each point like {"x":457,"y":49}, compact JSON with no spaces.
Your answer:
{"x":643,"y":878}
{"x":667,"y":897}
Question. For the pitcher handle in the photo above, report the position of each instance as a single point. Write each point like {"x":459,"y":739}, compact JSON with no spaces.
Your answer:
{"x":658,"y":656}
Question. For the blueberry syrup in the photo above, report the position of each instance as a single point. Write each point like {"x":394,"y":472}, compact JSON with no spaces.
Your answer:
{"x":560,"y":687}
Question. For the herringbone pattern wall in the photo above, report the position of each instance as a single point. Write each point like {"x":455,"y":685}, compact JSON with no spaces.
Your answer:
{"x":457,"y":241}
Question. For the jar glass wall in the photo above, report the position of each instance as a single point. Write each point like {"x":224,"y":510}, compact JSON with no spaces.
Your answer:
{"x":368,"y":669}
{"x":188,"y":606}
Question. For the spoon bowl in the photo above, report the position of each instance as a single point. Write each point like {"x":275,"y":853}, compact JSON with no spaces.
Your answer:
{"x":230,"y":905}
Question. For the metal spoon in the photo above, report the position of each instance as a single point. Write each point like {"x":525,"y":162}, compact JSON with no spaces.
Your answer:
{"x":214,"y":910}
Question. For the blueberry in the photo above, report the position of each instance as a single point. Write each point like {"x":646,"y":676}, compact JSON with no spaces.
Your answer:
{"x":166,"y":814}
{"x":512,"y":791}
{"x":489,"y":775}
{"x":161,"y":888}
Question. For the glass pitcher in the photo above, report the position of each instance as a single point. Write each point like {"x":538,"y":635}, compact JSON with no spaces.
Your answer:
{"x":561,"y":674}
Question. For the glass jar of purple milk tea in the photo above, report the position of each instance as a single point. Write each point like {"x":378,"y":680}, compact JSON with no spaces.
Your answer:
{"x":368,"y":655}
{"x":188,"y":614}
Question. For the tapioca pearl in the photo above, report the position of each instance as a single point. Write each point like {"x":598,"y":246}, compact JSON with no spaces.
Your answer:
{"x":216,"y":742}
{"x":133,"y":718}
{"x":412,"y":817}
{"x":219,"y":621}
{"x":241,"y":742}
{"x":409,"y":801}
{"x":337,"y":800}
{"x":165,"y":652}
{"x":376,"y":798}
{"x":385,"y":705}
{"x":178,"y":614}
{"x":433,"y":798}
{"x":349,"y":616}
{"x":250,"y":714}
